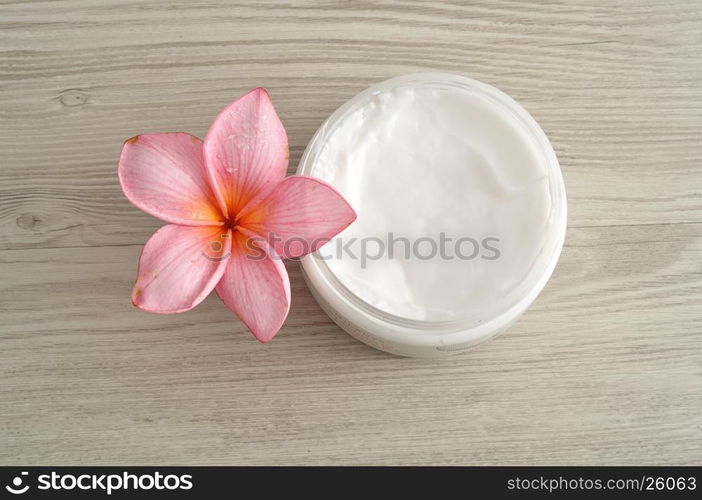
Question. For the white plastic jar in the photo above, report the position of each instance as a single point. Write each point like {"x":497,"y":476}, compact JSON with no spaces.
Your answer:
{"x":424,"y":159}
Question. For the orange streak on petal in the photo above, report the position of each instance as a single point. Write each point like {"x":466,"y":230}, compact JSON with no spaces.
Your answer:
{"x":299,"y":216}
{"x":245,"y":151}
{"x":164,"y":175}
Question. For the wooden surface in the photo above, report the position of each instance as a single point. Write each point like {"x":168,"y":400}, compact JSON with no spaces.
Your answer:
{"x":606,"y":367}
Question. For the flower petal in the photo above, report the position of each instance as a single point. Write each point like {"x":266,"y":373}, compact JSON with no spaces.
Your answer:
{"x":246,"y":151}
{"x":299,"y":216}
{"x":164,"y":175}
{"x":179,"y":267}
{"x":255,"y":286}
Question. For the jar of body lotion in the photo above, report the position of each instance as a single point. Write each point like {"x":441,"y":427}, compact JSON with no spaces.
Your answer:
{"x":461,"y":214}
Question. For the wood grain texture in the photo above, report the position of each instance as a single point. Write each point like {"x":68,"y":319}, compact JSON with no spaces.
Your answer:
{"x":604,"y":368}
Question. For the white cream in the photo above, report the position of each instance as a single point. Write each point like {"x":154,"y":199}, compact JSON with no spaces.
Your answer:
{"x":432,"y":159}
{"x":418,"y":161}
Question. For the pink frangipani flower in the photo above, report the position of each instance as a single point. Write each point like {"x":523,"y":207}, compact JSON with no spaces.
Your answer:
{"x":232,"y":214}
